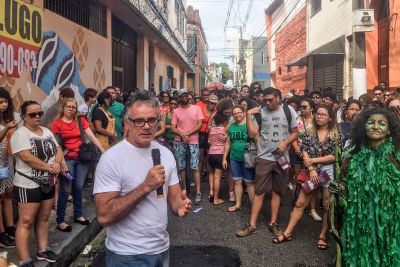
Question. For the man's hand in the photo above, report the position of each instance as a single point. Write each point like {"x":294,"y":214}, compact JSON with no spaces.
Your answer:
{"x":186,"y":205}
{"x":155,"y":177}
{"x":254,"y":110}
{"x":281,"y":148}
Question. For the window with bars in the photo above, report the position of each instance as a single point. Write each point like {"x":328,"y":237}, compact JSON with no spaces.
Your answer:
{"x":90,"y":14}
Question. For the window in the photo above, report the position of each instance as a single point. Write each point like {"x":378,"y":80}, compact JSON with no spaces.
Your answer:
{"x":191,"y":46}
{"x":315,"y":6}
{"x":180,"y":16}
{"x":90,"y":14}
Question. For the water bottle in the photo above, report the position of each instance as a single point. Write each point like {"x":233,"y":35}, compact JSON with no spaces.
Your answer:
{"x":5,"y":173}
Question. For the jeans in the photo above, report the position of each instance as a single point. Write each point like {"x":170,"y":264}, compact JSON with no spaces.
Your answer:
{"x":142,"y":260}
{"x":79,"y":171}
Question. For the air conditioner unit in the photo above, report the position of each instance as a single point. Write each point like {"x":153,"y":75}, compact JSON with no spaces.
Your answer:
{"x":363,"y":20}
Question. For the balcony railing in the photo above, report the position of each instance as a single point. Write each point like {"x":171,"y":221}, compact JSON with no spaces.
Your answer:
{"x":155,"y":17}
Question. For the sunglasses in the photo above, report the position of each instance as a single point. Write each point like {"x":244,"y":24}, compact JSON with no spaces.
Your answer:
{"x":35,"y":114}
{"x":304,"y":107}
{"x":316,"y":96}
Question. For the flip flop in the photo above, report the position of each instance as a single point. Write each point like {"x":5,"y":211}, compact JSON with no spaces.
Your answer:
{"x":234,"y":209}
{"x":322,"y":246}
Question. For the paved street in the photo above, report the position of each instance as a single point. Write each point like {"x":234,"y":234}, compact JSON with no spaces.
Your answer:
{"x":207,"y":238}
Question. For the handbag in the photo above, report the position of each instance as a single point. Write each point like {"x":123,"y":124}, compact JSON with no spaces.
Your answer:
{"x":45,"y":183}
{"x":250,"y":154}
{"x":303,"y":176}
{"x":87,"y":151}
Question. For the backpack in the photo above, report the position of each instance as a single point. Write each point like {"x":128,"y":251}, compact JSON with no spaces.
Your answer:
{"x":288,"y":115}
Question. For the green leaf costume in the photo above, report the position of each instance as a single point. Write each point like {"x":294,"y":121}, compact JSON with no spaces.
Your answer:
{"x":371,"y":225}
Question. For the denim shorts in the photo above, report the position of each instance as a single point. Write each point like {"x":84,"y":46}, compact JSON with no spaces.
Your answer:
{"x":142,"y":260}
{"x":239,"y":171}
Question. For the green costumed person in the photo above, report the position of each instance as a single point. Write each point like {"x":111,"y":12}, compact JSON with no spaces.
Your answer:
{"x":370,"y":230}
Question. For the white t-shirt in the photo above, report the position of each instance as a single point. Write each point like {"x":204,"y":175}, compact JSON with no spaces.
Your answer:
{"x":43,"y":147}
{"x":84,"y":108}
{"x":122,"y":169}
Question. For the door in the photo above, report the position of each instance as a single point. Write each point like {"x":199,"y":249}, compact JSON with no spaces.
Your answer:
{"x":383,"y":50}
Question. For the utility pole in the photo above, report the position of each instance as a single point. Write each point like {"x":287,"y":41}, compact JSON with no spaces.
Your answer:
{"x":359,"y":61}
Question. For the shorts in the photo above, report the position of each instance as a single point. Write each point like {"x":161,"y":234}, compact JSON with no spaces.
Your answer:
{"x":270,"y":177}
{"x":215,"y":161}
{"x":239,"y":171}
{"x":180,"y":155}
{"x":330,"y":171}
{"x":35,"y":195}
{"x":203,"y":141}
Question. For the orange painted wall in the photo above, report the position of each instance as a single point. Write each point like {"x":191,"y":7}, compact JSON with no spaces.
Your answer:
{"x":371,"y":43}
{"x":394,"y":44}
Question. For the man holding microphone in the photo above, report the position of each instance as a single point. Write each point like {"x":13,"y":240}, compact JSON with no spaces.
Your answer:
{"x":132,"y":191}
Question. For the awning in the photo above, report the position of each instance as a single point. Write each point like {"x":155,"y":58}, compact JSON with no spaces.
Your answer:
{"x":335,"y":47}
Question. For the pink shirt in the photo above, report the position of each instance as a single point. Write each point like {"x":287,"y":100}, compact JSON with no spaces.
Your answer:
{"x":217,"y":146}
{"x":186,"y":119}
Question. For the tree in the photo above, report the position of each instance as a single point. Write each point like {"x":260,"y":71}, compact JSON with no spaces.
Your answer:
{"x":227,"y":73}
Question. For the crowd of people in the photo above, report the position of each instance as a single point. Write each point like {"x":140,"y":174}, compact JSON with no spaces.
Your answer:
{"x":262,"y":141}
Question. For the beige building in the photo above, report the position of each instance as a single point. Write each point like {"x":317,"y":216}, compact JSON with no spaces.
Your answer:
{"x":130,"y":44}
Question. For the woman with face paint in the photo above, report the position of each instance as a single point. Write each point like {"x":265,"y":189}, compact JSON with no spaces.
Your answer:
{"x":371,"y":219}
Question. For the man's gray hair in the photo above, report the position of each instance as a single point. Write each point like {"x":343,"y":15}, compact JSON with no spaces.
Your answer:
{"x":142,"y":97}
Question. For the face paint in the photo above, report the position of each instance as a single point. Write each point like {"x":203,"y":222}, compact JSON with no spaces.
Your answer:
{"x":377,"y":128}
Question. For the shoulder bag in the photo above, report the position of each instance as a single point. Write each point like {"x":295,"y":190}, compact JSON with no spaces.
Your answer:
{"x":87,"y":151}
{"x":250,"y":154}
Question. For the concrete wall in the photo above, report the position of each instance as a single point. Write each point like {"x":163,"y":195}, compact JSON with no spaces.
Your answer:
{"x":332,"y":21}
{"x":84,"y":56}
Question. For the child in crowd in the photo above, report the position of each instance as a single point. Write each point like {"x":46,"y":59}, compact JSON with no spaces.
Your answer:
{"x":216,"y":139}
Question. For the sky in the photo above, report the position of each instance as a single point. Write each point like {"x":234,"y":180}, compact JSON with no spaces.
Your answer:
{"x":213,"y":14}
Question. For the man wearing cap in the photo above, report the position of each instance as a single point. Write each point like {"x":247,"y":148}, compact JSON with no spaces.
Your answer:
{"x":186,"y":123}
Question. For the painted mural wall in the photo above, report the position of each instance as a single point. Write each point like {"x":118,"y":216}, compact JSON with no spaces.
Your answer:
{"x":42,"y":52}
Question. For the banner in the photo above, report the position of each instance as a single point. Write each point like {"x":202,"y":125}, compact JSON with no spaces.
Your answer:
{"x":20,"y":37}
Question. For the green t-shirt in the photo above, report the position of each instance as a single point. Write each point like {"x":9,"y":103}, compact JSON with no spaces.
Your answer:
{"x":238,"y":135}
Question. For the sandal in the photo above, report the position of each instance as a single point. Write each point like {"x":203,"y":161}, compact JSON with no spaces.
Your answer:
{"x":282,"y":238}
{"x":322,"y":246}
{"x":211,"y":198}
{"x":234,"y":209}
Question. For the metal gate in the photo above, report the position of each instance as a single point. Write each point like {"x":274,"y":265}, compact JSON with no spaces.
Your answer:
{"x":328,"y":72}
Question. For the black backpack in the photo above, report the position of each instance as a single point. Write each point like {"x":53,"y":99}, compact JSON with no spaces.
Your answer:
{"x":288,"y":115}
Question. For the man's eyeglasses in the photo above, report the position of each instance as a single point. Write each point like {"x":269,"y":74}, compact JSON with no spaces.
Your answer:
{"x":35,"y":114}
{"x":316,"y":97}
{"x":141,"y":122}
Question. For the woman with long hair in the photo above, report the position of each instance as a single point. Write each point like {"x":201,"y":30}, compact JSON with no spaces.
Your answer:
{"x":104,"y":122}
{"x":234,"y":147}
{"x":67,"y":127}
{"x":7,"y":125}
{"x":371,"y":218}
{"x":39,"y":160}
{"x":318,"y":152}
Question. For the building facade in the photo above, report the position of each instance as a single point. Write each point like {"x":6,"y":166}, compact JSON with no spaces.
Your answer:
{"x":257,"y":68}
{"x":286,"y":23}
{"x":197,"y":48}
{"x":129,"y":44}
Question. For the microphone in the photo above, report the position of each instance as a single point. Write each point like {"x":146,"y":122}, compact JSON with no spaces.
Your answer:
{"x":155,"y":155}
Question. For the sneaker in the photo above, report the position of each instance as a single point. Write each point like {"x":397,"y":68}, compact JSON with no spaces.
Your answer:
{"x":315,"y":215}
{"x":192,"y":184}
{"x":247,"y":230}
{"x":10,"y":231}
{"x":273,"y":227}
{"x":232,"y":197}
{"x":27,"y":264}
{"x":47,"y":255}
{"x":6,"y":241}
{"x":197,"y":199}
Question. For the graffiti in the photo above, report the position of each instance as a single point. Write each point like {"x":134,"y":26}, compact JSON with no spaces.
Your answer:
{"x":99,"y":75}
{"x":80,"y":48}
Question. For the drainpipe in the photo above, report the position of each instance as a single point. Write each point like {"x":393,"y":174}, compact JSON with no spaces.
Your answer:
{"x":359,"y":61}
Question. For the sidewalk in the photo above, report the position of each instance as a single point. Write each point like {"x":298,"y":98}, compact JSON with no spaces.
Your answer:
{"x":66,"y":245}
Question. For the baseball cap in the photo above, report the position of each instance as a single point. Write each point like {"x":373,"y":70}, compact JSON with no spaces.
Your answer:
{"x":213,"y":99}
{"x":182,"y":91}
